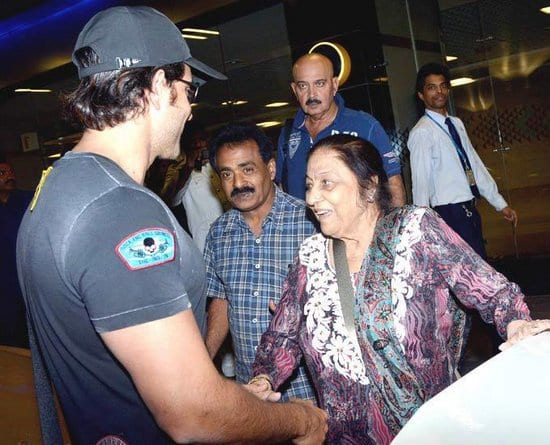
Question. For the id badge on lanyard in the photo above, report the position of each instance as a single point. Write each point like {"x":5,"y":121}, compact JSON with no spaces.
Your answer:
{"x":470,"y":176}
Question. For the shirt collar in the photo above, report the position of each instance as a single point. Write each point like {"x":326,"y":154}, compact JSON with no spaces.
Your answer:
{"x":277,"y":211}
{"x":439,"y":118}
{"x":300,"y":119}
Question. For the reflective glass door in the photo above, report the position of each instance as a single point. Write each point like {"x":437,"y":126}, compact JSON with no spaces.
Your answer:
{"x":503,"y":48}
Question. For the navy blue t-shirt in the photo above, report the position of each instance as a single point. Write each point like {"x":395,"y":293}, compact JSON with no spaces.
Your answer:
{"x":347,"y":121}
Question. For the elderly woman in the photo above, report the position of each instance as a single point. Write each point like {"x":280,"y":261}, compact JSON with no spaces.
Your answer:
{"x":405,"y":264}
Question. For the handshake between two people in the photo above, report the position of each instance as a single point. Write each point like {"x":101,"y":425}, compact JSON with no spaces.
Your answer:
{"x":262,"y":388}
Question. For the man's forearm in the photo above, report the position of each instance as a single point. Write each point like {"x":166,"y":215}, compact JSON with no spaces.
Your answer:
{"x":397,"y":190}
{"x":191,"y":401}
{"x":217,"y":326}
{"x":240,"y":417}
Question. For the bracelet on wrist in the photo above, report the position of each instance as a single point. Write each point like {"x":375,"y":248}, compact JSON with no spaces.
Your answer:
{"x":260,"y":378}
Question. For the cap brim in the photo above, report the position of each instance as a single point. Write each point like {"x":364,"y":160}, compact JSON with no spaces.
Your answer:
{"x":205,"y":69}
{"x":198,"y":81}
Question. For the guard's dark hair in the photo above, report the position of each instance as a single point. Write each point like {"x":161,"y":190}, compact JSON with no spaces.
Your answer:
{"x":365,"y":162}
{"x":110,"y":98}
{"x":234,"y":133}
{"x":429,"y":69}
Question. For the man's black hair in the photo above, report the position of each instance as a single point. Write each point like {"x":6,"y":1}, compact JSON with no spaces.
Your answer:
{"x":238,"y":132}
{"x":427,"y":70}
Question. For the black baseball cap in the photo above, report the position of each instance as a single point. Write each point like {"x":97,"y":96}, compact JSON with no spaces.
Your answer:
{"x":132,"y":37}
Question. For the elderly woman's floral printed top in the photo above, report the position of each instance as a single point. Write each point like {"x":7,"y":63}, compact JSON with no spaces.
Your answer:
{"x":410,"y":329}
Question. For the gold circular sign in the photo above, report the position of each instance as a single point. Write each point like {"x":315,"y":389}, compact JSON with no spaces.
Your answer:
{"x":335,"y":52}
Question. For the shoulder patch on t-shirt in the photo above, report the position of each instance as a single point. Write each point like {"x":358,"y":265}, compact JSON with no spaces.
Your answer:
{"x":147,"y":248}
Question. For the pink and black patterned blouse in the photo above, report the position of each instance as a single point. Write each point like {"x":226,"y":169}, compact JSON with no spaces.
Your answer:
{"x":410,"y":328}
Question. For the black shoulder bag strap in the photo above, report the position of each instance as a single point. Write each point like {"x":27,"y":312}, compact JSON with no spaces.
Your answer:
{"x":345,"y":288}
{"x":286,"y":159}
{"x":47,"y":410}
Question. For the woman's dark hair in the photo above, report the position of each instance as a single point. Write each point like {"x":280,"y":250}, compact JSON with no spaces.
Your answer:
{"x":240,"y":132}
{"x":113,"y":97}
{"x":365,"y":162}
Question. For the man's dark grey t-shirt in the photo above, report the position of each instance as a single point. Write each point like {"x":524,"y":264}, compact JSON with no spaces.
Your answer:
{"x":97,"y":253}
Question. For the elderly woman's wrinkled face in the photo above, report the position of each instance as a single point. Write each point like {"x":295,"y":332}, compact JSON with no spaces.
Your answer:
{"x":333,"y":193}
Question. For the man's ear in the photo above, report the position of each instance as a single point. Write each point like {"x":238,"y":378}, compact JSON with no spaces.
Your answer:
{"x":159,"y":87}
{"x":335,"y":84}
{"x":272,"y":167}
{"x":420,"y":96}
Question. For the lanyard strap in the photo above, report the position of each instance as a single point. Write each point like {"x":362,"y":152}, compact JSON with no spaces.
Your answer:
{"x":463,"y":159}
{"x":461,"y":154}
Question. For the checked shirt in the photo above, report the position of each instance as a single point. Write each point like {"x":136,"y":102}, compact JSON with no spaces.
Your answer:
{"x":249,"y":271}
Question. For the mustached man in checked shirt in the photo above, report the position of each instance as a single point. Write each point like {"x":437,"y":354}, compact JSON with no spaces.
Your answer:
{"x":249,"y":248}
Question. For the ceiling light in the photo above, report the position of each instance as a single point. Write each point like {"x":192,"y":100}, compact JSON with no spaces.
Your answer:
{"x":268,"y":124}
{"x":234,"y":102}
{"x":276,"y":104}
{"x":461,"y":81}
{"x":54,"y":156}
{"x":381,"y":79}
{"x":450,"y":58}
{"x":32,"y":90}
{"x":518,"y":65}
{"x":201,"y":31}
{"x":546,"y":9}
{"x":193,"y":37}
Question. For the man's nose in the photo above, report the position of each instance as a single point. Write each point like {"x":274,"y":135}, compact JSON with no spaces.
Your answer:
{"x":238,"y":180}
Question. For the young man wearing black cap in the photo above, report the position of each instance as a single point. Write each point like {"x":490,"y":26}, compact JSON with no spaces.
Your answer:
{"x":119,"y":325}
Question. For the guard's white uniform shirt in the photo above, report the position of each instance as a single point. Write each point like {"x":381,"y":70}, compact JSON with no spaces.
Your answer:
{"x":438,"y":177}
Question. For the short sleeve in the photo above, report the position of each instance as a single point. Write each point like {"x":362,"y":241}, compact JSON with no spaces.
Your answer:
{"x":380,"y":139}
{"x":123,"y":259}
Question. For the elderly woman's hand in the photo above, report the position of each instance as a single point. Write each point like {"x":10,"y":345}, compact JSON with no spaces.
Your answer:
{"x":261,"y":387}
{"x":517,"y":330}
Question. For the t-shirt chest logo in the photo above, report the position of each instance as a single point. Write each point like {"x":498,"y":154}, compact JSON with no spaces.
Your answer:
{"x":111,"y":440}
{"x":293,"y":143}
{"x":147,"y":248}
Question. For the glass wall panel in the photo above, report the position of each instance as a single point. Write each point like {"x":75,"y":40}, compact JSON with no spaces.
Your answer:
{"x":504,"y":48}
{"x":254,"y":51}
{"x":503,"y":45}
